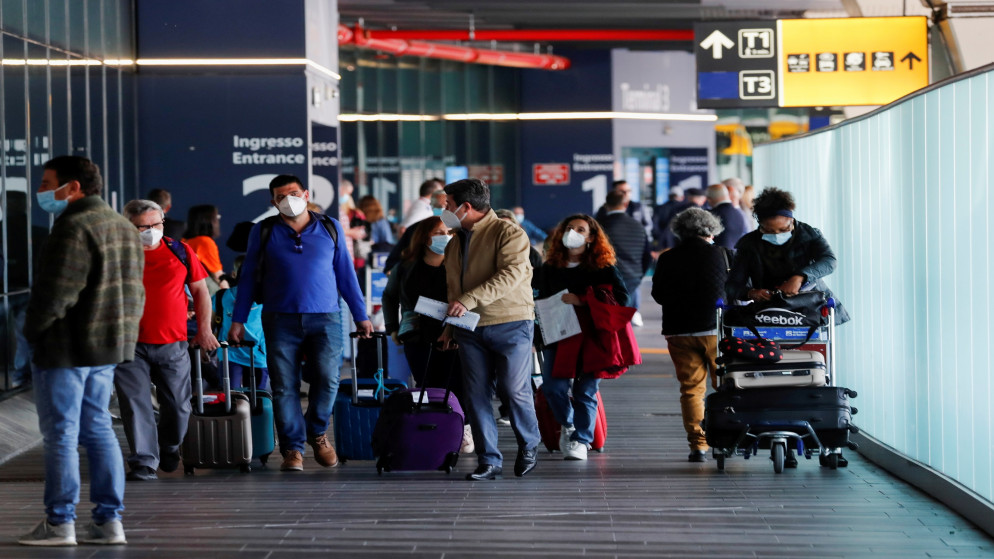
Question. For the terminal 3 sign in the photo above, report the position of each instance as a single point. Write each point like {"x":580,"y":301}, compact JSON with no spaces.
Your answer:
{"x":810,"y":62}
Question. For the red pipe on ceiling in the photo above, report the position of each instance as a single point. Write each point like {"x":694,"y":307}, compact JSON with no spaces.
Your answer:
{"x":400,"y":47}
{"x":536,"y":35}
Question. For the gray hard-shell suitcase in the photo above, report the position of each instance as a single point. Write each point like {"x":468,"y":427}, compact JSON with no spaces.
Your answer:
{"x":797,"y":368}
{"x":219,"y":434}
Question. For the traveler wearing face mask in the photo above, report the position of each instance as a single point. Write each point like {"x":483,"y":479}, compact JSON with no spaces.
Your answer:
{"x":579,"y":256}
{"x":304,"y":270}
{"x":82,"y":320}
{"x":782,"y":253}
{"x":487,"y":272}
{"x":421,"y":273}
{"x":161,"y":357}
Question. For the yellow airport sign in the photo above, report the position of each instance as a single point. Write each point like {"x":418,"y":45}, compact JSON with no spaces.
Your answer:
{"x":851,"y":61}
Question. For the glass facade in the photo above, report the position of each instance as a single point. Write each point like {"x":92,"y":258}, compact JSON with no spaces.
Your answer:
{"x":903,"y":196}
{"x":63,"y":90}
{"x":390,"y":159}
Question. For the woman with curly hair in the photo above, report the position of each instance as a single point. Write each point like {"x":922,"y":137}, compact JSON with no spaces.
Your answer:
{"x":579,"y":256}
{"x":782,"y":253}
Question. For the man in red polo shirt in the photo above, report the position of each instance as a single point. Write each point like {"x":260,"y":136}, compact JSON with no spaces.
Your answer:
{"x":161,"y":356}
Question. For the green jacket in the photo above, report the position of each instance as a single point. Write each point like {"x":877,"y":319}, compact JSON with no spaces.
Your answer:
{"x":88,"y":296}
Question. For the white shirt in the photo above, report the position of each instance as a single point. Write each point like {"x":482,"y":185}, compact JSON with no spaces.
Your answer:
{"x":420,"y":209}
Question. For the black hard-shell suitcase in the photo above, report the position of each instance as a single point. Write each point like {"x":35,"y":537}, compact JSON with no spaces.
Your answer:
{"x":728,"y":414}
{"x":220,"y":434}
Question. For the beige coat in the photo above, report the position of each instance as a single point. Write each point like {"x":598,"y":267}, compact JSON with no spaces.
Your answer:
{"x":497,"y":282}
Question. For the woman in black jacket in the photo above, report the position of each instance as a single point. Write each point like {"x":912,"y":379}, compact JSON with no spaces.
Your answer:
{"x":579,"y":256}
{"x":421,"y":273}
{"x":688,"y":281}
{"x":783,"y":253}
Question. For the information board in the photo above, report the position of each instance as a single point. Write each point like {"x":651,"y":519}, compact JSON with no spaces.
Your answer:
{"x":810,"y":62}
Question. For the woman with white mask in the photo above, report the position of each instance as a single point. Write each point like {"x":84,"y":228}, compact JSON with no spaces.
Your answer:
{"x":421,"y":273}
{"x":579,"y":256}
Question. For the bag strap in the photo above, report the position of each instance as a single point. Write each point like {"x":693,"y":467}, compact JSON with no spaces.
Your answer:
{"x":179,"y":250}
{"x":218,"y":311}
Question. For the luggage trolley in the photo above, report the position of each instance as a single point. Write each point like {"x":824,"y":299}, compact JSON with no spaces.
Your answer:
{"x":777,"y":428}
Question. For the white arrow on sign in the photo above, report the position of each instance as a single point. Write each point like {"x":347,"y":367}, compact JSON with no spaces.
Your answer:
{"x":716,"y":41}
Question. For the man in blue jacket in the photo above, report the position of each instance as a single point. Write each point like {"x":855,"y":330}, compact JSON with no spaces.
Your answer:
{"x":305,"y":268}
{"x":731,"y":217}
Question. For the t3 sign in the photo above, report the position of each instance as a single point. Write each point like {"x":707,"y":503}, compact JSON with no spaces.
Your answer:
{"x":736,"y":64}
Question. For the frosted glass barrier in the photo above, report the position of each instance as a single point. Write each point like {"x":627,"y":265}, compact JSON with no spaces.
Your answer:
{"x":904,"y":198}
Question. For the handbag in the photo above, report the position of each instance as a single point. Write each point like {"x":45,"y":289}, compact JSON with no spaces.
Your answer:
{"x":410,"y":326}
{"x":759,"y":350}
{"x":806,"y":309}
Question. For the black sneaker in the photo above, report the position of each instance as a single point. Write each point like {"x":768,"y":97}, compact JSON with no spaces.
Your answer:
{"x":141,"y":473}
{"x":698,"y":456}
{"x":169,"y":462}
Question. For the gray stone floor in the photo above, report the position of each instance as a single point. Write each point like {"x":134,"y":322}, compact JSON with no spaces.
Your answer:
{"x":639,"y":498}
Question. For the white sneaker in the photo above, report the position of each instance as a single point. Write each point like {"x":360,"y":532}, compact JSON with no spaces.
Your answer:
{"x":467,"y":441}
{"x":637,"y":320}
{"x":564,"y":434}
{"x":108,"y":533}
{"x":45,"y":534}
{"x":574,"y":450}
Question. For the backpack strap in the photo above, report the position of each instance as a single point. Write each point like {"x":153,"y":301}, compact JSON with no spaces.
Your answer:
{"x":180,"y":251}
{"x":218,"y":312}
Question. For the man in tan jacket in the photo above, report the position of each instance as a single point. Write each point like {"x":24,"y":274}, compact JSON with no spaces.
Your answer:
{"x":487,"y":272}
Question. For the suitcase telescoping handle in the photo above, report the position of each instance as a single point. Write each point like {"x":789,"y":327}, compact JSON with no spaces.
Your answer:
{"x":380,"y":338}
{"x":226,"y":377}
{"x":253,"y":388}
{"x":448,"y":378}
{"x":198,"y":382}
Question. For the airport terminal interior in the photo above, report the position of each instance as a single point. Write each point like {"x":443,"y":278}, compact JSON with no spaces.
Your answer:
{"x":875,"y":115}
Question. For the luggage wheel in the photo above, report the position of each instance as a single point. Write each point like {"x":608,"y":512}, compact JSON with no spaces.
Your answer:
{"x":188,"y":470}
{"x":719,"y":458}
{"x":245,"y":468}
{"x":264,"y":458}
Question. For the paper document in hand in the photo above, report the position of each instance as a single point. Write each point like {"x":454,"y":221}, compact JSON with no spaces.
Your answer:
{"x":437,"y":309}
{"x":556,"y":319}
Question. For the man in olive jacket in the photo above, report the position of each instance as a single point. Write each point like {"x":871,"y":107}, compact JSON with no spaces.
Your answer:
{"x":487,"y":272}
{"x":82,"y":320}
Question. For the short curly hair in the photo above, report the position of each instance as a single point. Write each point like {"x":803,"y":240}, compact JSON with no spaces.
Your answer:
{"x":695,"y":222}
{"x":771,"y":201}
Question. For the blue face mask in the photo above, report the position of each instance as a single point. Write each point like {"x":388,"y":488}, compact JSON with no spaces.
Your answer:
{"x":438,"y":243}
{"x":777,"y":238}
{"x":436,"y":211}
{"x":48,"y":202}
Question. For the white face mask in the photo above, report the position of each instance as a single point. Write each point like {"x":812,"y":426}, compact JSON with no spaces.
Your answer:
{"x":572,"y":239}
{"x":452,"y":219}
{"x":292,"y":206}
{"x":150,"y":237}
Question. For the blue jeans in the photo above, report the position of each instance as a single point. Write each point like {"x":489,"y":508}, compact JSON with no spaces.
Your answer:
{"x":634,"y":293}
{"x":581,"y":413}
{"x":502,"y":352}
{"x":289,"y":337}
{"x":72,"y":410}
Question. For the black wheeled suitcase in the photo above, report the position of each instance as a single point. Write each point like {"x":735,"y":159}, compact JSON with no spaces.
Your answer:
{"x":220,"y":432}
{"x":730,"y":414}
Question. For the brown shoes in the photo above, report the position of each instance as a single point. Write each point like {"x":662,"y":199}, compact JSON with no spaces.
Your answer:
{"x":324,"y":453}
{"x":293,"y":461}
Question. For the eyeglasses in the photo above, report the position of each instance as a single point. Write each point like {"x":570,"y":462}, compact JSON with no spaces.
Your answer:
{"x":298,"y":246}
{"x":147,"y":227}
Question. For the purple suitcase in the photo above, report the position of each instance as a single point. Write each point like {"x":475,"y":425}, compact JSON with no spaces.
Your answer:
{"x":419,"y":429}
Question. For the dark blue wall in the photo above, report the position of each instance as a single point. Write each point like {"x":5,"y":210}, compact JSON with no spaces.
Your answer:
{"x":586,"y":86}
{"x":221,"y":29}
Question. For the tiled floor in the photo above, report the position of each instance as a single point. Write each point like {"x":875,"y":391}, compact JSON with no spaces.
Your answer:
{"x":640,"y":498}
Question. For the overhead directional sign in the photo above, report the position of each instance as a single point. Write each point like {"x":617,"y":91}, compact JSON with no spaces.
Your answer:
{"x":810,"y":62}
